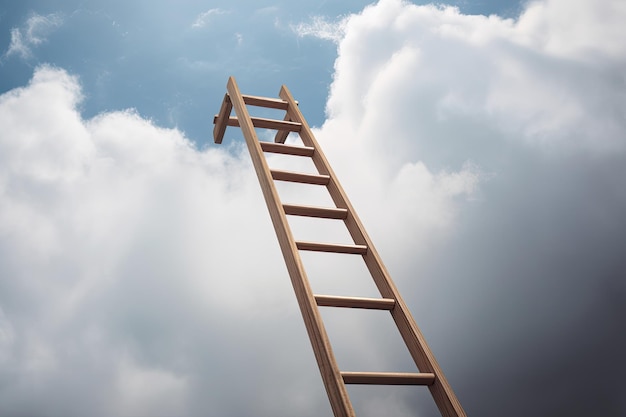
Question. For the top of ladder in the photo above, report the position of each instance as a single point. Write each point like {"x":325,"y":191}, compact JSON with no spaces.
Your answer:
{"x":223,"y":119}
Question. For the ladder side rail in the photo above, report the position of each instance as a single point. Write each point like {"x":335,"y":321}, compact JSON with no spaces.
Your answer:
{"x":331,"y":376}
{"x":441,"y":390}
{"x":221,"y":120}
{"x":281,"y":135}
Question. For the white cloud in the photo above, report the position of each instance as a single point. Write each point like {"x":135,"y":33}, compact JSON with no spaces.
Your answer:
{"x":584,"y":30}
{"x":203,"y":18}
{"x":33,"y":33}
{"x":322,"y":28}
{"x":483,"y":69}
{"x":108,"y":229}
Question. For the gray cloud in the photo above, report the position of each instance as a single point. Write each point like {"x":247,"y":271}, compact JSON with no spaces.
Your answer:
{"x":521,"y":294}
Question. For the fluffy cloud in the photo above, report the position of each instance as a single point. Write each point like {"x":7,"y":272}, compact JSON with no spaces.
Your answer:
{"x":139,"y":275}
{"x":119,"y":245}
{"x":557,"y":92}
{"x":526,"y":124}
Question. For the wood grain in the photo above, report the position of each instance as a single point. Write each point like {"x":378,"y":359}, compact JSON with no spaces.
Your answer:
{"x":299,"y":177}
{"x":332,"y":247}
{"x":220,"y":120}
{"x":313,"y":211}
{"x":355,"y":302}
{"x":388,"y":378}
{"x":287,"y":149}
{"x":263,"y":123}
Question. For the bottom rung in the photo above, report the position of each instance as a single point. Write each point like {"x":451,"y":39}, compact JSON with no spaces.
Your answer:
{"x":388,"y":378}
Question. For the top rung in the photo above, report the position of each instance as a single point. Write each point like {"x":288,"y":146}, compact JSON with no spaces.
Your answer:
{"x":272,"y":103}
{"x":224,"y":114}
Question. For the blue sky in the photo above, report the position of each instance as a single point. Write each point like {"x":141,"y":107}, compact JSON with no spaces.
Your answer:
{"x":483,"y":146}
{"x":170,"y":61}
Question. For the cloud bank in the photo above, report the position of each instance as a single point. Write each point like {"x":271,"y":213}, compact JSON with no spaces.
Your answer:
{"x":139,"y":275}
{"x":530,"y":122}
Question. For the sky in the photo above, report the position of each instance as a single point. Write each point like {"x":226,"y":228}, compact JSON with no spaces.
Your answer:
{"x":483,"y":145}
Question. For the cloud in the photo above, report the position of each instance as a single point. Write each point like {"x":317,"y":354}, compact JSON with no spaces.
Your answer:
{"x":203,"y":18}
{"x":33,"y":33}
{"x":108,"y":228}
{"x":320,"y":27}
{"x":482,"y":67}
{"x":123,"y":251}
{"x":549,"y":26}
{"x":527,"y":123}
{"x":139,"y":275}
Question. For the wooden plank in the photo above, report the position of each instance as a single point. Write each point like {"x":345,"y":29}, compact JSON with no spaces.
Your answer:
{"x":220,"y":120}
{"x":388,"y":378}
{"x":442,"y":392}
{"x":299,"y":177}
{"x":312,"y":211}
{"x":272,"y":103}
{"x":327,"y":364}
{"x":355,"y":302}
{"x":281,"y":135}
{"x":264,"y":123}
{"x":287,"y":149}
{"x":332,"y":247}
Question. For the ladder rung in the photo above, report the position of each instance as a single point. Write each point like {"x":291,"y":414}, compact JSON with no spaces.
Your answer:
{"x":287,"y":149}
{"x":388,"y":378}
{"x":311,"y":211}
{"x":263,"y":123}
{"x":299,"y":177}
{"x":355,"y":302}
{"x":272,"y":103}
{"x":331,"y":247}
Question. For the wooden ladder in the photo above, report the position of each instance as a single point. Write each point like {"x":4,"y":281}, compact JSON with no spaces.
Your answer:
{"x":334,"y":380}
